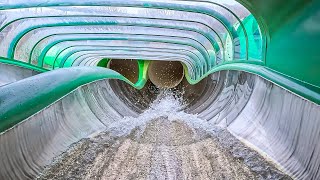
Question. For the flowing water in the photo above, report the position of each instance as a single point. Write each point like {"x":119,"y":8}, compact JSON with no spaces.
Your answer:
{"x":164,"y":142}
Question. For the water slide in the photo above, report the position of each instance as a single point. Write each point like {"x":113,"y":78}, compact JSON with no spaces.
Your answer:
{"x":159,"y":89}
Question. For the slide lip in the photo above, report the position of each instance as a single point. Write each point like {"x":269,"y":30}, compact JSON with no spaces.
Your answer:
{"x":303,"y":90}
{"x":24,"y":98}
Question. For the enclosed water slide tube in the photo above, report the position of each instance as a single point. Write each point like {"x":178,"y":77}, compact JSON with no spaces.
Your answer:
{"x":69,"y":69}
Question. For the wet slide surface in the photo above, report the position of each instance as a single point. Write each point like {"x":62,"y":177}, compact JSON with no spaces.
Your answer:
{"x":240,"y":126}
{"x":165,"y":147}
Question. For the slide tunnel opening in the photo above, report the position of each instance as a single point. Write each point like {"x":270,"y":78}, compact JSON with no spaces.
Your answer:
{"x":165,"y":74}
{"x":129,"y":68}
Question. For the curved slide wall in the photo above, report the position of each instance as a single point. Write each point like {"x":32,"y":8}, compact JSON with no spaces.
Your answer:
{"x":10,"y":73}
{"x":275,"y":122}
{"x":30,"y":145}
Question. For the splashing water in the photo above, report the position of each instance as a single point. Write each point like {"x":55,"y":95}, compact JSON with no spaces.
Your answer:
{"x":168,"y":105}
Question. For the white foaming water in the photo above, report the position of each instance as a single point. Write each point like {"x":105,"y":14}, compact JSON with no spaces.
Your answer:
{"x":169,"y":106}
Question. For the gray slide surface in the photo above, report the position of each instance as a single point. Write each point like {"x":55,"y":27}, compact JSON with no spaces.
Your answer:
{"x":276,"y":123}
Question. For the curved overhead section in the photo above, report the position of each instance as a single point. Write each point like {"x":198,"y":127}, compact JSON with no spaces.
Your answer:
{"x":202,"y":34}
{"x":207,"y":33}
